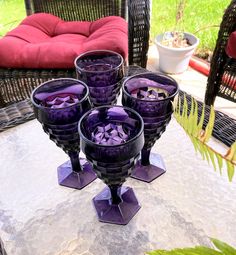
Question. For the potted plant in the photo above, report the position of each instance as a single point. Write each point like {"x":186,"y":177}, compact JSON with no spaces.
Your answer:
{"x":176,"y":47}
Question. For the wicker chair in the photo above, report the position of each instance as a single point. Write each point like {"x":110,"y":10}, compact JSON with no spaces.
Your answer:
{"x":2,"y":250}
{"x":221,"y":81}
{"x":17,"y":84}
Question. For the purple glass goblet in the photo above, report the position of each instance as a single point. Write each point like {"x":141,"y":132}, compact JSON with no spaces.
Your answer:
{"x":151,"y":95}
{"x":58,"y":105}
{"x":102,"y":71}
{"x":112,"y":138}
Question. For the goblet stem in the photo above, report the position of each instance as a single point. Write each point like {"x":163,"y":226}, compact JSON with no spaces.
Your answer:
{"x":145,"y":157}
{"x":75,"y":162}
{"x":115,"y":193}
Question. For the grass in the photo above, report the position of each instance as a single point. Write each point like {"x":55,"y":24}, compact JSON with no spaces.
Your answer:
{"x":200,"y":17}
{"x":11,"y":13}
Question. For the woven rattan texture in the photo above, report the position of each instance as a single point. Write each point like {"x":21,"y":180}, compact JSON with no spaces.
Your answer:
{"x":17,"y":84}
{"x":219,"y":84}
{"x":2,"y":250}
{"x":16,"y":114}
{"x":224,"y":128}
{"x":227,"y":87}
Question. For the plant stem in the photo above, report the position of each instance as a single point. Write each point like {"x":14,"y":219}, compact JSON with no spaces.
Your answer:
{"x":205,"y":27}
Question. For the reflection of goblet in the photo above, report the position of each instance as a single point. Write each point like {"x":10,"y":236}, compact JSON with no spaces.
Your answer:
{"x":112,"y":138}
{"x":150,"y":94}
{"x":58,"y":106}
{"x":102,"y":71}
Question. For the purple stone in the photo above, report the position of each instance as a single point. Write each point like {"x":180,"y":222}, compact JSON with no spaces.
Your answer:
{"x":60,"y":101}
{"x":110,"y":134}
{"x":73,"y":88}
{"x":149,"y":93}
{"x":135,"y":83}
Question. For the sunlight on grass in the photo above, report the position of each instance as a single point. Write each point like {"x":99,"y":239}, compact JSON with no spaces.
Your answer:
{"x":11,"y":13}
{"x":199,"y":16}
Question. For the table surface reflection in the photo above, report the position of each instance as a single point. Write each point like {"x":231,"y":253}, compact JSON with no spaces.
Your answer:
{"x":184,"y":207}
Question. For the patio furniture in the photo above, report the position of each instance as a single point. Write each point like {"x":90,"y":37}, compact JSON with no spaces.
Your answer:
{"x":222,"y":77}
{"x":16,"y":84}
{"x":2,"y":250}
{"x":60,"y":221}
{"x":45,"y":41}
{"x":184,"y":207}
{"x":224,"y":129}
{"x":15,"y":114}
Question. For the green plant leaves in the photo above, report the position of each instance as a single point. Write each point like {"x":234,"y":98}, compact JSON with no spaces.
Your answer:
{"x":222,"y":249}
{"x":199,"y":250}
{"x":200,"y":124}
{"x":231,"y":155}
{"x":230,"y":170}
{"x":209,"y":127}
{"x":188,"y":119}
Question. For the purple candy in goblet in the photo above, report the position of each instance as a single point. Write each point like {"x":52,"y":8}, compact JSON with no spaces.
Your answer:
{"x":151,"y":95}
{"x":58,"y":105}
{"x":102,"y":71}
{"x":112,"y":138}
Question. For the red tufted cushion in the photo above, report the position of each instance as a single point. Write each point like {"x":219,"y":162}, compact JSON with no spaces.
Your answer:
{"x":45,"y":41}
{"x":231,"y":45}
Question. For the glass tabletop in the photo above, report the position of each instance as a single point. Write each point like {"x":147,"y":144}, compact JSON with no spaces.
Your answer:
{"x":184,"y":207}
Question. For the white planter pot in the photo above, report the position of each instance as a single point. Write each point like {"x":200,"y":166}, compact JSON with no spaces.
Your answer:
{"x":175,"y":60}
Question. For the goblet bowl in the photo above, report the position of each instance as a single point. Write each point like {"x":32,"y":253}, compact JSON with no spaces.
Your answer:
{"x":151,"y":95}
{"x":102,"y":71}
{"x":112,"y":138}
{"x":58,"y":105}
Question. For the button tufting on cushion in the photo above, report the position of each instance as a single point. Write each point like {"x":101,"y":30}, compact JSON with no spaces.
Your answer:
{"x":45,"y":41}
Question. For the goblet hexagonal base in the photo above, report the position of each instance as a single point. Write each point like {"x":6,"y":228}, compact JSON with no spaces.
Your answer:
{"x":150,"y":172}
{"x":76,"y":180}
{"x":120,"y":213}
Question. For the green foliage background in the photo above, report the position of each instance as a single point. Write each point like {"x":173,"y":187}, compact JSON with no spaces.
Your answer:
{"x":11,"y":13}
{"x":221,"y":248}
{"x":197,"y":15}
